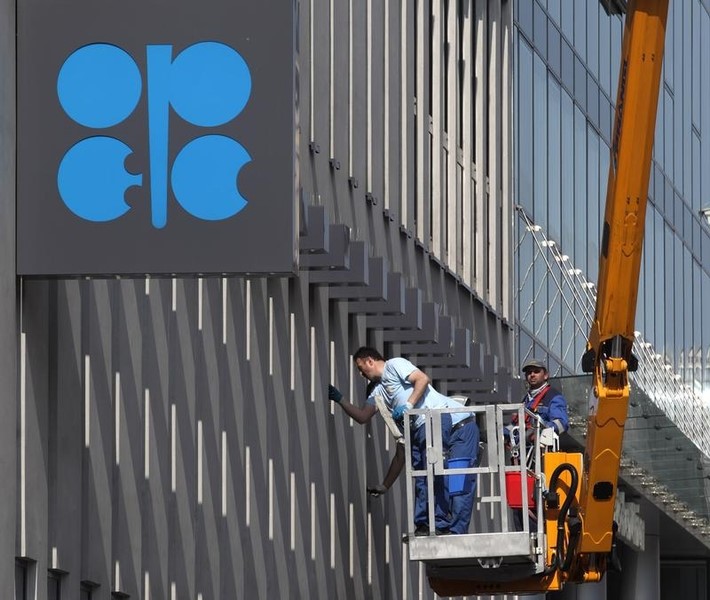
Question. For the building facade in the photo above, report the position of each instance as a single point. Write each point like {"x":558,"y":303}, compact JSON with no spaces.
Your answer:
{"x":171,"y":437}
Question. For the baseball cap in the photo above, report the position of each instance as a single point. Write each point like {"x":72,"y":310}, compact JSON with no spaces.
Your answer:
{"x":534,"y":363}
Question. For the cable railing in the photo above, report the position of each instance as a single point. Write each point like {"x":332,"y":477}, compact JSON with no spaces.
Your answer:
{"x":655,"y":375}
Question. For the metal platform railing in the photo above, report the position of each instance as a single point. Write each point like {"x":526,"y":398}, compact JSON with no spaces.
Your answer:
{"x":497,"y":542}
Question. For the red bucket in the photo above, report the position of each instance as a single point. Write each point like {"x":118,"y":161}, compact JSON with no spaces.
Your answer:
{"x":514,"y":491}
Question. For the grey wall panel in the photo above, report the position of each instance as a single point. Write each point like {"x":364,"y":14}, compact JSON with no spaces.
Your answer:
{"x":130,"y":467}
{"x":66,"y":503}
{"x":376,"y":147}
{"x":240,"y":573}
{"x":209,"y":438}
{"x":98,"y":481}
{"x":299,"y":446}
{"x":33,"y":430}
{"x":358,"y":104}
{"x":8,"y":303}
{"x":339,"y":103}
{"x":182,"y":546}
{"x":269,"y":483}
{"x":156,"y":492}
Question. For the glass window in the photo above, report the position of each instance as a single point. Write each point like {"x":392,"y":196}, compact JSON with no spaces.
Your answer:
{"x":567,"y":66}
{"x":553,"y":48}
{"x":697,"y":320}
{"x":668,"y":49}
{"x":678,"y":209}
{"x":679,"y":299}
{"x":553,"y":173}
{"x":652,"y":193}
{"x":524,"y":114}
{"x":605,"y":64}
{"x":690,"y":231}
{"x":617,"y":33}
{"x":568,"y":333}
{"x":592,"y":267}
{"x":553,"y":8}
{"x":646,"y":299}
{"x":540,"y":29}
{"x":567,"y":18}
{"x":580,"y":28}
{"x":705,"y":102}
{"x":516,"y":120}
{"x":539,"y":140}
{"x":658,"y":144}
{"x":659,"y":332}
{"x":580,"y":83}
{"x":593,"y":9}
{"x":567,"y":173}
{"x":554,"y":320}
{"x":705,"y":333}
{"x":659,"y":194}
{"x":678,"y":8}
{"x":526,"y":282}
{"x":593,"y":100}
{"x":605,"y":116}
{"x":695,"y":201}
{"x":694,"y":59}
{"x":670,"y":201}
{"x":604,"y":157}
{"x":525,"y":345}
{"x":669,"y":292}
{"x":525,"y":18}
{"x":668,"y":135}
{"x":640,"y":298}
{"x":540,"y":302}
{"x":681,"y":135}
{"x":686,"y":313}
{"x":580,"y":189}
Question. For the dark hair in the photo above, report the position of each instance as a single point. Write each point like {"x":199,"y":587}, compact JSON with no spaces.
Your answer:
{"x":366,"y":352}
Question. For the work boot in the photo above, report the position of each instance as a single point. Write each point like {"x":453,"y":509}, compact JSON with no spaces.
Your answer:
{"x":421,"y":530}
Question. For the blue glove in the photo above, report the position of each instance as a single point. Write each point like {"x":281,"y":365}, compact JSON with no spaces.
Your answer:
{"x":334,"y":394}
{"x":398,"y":412}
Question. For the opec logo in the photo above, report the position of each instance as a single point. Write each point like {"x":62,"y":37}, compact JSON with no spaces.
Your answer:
{"x":207,"y":85}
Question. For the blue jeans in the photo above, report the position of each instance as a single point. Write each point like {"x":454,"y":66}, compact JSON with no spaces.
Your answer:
{"x":463,"y":443}
{"x":441,"y":499}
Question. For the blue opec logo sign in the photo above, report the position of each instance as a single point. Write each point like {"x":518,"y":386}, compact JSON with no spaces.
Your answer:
{"x":99,"y":86}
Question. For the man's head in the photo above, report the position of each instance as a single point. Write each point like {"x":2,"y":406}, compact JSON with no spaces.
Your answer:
{"x":369,"y":362}
{"x":535,"y":372}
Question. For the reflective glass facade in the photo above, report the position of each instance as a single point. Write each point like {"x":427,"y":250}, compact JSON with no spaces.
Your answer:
{"x":567,"y":55}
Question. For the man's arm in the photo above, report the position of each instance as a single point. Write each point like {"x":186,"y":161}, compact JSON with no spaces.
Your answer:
{"x":360,"y":414}
{"x":558,"y":414}
{"x":396,"y":466}
{"x":420,"y":381}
